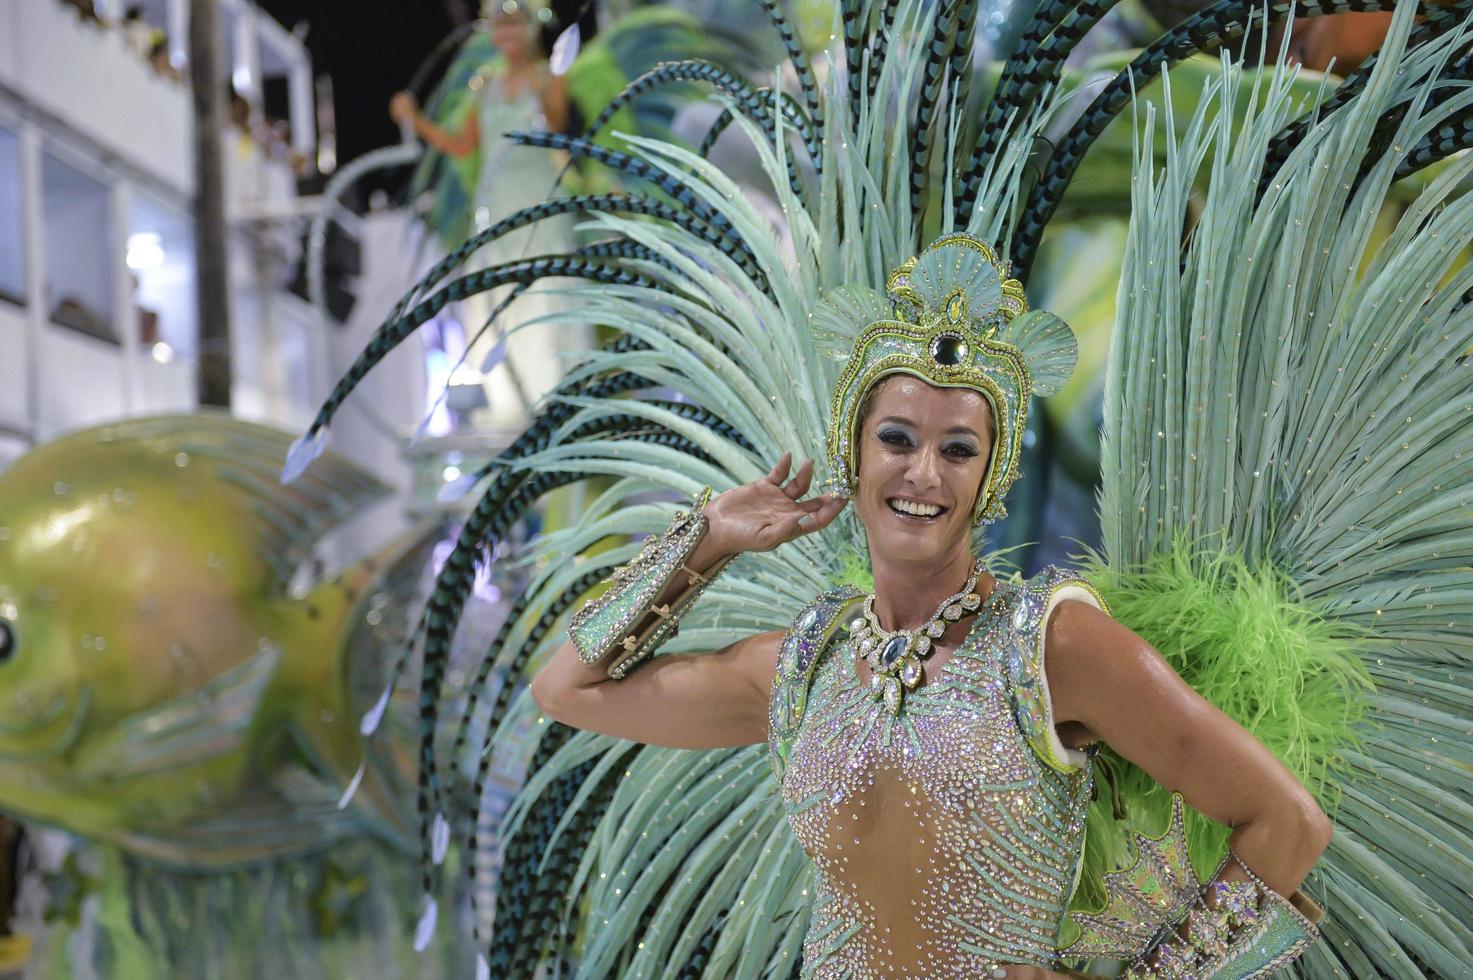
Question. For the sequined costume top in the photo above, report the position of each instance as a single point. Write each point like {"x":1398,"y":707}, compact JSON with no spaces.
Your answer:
{"x":945,"y":839}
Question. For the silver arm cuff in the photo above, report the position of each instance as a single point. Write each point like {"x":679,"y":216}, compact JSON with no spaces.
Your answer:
{"x":611,"y":622}
{"x":1252,"y":931}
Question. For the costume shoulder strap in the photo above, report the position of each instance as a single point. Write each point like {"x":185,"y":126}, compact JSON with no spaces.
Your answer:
{"x":812,"y":631}
{"x":1035,"y":601}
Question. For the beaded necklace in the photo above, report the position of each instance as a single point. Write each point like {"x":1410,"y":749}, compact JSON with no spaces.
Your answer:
{"x":894,"y":657}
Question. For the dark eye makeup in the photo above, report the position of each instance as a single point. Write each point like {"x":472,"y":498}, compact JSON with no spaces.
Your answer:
{"x":893,"y":436}
{"x":899,"y":437}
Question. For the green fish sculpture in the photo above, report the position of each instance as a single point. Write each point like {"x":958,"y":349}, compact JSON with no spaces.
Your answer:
{"x":162,"y":684}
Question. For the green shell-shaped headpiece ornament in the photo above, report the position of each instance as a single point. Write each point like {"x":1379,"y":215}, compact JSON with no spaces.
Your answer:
{"x":951,"y":317}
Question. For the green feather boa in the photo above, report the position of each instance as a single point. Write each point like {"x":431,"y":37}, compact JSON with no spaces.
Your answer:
{"x":1243,"y":639}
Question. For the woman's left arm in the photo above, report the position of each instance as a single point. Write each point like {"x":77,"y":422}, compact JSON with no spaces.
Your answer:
{"x":1107,"y":683}
{"x":555,"y":103}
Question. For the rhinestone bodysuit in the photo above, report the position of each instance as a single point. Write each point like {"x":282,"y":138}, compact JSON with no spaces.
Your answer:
{"x":945,"y":840}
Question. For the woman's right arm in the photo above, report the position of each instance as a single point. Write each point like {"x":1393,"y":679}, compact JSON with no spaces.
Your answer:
{"x":402,"y":107}
{"x":681,"y":701}
{"x":697,"y":700}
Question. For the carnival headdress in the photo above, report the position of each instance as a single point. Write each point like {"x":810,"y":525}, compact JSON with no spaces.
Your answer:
{"x":538,"y":11}
{"x":953,"y":318}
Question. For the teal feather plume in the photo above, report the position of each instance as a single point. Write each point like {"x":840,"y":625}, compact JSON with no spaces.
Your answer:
{"x":1285,"y":406}
{"x":1250,"y":644}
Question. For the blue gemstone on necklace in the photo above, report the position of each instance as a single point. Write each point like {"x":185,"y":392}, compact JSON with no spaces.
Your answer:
{"x":893,"y":651}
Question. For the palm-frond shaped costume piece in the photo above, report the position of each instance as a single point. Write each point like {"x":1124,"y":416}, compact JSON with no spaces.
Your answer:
{"x":1285,"y":498}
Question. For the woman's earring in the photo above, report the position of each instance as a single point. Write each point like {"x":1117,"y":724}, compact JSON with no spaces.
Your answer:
{"x":992,"y":512}
{"x":841,"y":484}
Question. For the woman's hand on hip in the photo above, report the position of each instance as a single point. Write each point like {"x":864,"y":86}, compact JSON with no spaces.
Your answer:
{"x":769,"y":511}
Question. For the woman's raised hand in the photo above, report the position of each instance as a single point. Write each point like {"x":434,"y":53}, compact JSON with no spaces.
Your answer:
{"x":402,"y":107}
{"x":769,"y":511}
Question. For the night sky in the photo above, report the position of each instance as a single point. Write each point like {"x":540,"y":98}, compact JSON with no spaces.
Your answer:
{"x":370,"y":48}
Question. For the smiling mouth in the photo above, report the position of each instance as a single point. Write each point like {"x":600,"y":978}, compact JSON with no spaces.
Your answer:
{"x":915,"y":511}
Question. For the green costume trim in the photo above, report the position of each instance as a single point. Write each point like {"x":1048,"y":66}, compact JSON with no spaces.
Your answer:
{"x":1157,"y":917}
{"x":813,"y":630}
{"x":1041,"y":595}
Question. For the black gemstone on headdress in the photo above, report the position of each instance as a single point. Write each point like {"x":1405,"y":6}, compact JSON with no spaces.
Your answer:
{"x":949,"y":349}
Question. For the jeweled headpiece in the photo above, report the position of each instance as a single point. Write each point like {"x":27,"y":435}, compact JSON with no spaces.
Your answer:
{"x":951,"y":317}
{"x":536,"y":10}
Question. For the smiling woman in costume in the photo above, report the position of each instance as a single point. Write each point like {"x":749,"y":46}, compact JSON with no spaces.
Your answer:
{"x":934,"y":739}
{"x":1302,"y":565}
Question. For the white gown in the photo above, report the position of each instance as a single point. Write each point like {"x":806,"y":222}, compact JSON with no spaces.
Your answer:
{"x":513,"y":177}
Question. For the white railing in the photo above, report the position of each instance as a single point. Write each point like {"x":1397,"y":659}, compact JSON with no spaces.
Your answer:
{"x":86,"y":76}
{"x":77,"y":91}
